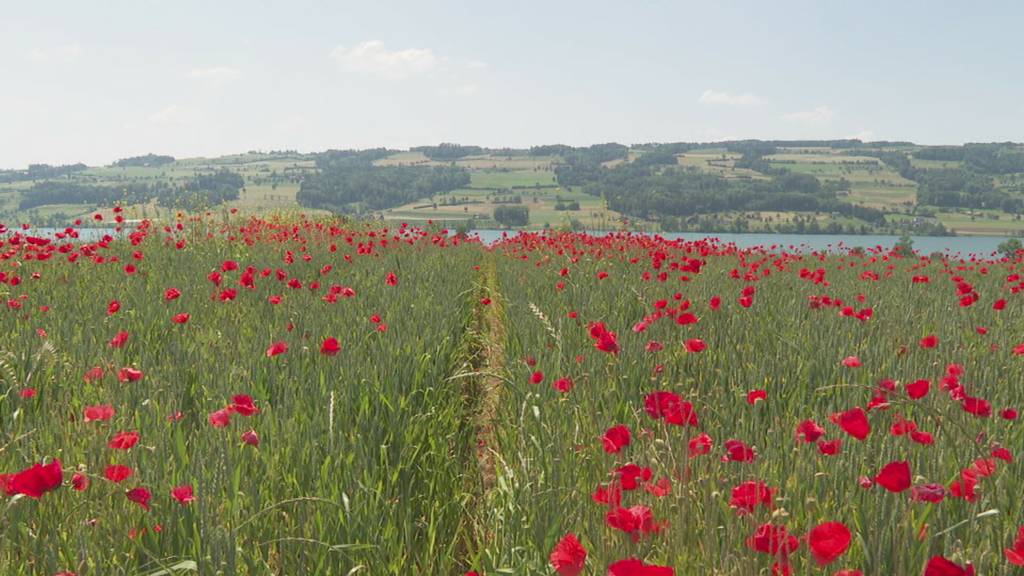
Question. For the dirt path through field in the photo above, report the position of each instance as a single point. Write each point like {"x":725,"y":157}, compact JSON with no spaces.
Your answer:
{"x":481,"y":374}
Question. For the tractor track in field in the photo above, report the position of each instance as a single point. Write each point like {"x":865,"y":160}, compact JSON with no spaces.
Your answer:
{"x":492,"y":363}
{"x":482,"y":384}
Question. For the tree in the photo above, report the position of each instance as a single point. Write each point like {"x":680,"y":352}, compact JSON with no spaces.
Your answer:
{"x":512,"y":215}
{"x":905,"y":246}
{"x":1010,"y":248}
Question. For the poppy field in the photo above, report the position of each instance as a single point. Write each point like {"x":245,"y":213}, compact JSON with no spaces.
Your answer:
{"x":286,"y":396}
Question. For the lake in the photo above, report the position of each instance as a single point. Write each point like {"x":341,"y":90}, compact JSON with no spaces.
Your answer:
{"x":953,"y":245}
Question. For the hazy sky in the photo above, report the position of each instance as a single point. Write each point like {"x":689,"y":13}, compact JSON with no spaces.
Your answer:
{"x":95,"y":81}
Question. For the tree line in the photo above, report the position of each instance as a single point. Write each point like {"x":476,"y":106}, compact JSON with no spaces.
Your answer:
{"x":349,"y":182}
{"x":40,"y":172}
{"x":658,"y":189}
{"x":198,"y":192}
{"x":147,"y":161}
{"x":970,"y":184}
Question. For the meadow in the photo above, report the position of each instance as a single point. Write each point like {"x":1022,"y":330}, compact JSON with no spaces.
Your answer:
{"x":233,"y":395}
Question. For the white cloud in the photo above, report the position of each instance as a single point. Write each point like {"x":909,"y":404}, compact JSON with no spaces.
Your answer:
{"x":62,"y":54}
{"x":373,"y":58}
{"x":170,"y":115}
{"x":476,"y":65}
{"x":729,"y":99}
{"x":864,"y":135}
{"x":215,"y":73}
{"x":815,"y":116}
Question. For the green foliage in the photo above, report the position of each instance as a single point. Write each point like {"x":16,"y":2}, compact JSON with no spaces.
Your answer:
{"x":446,"y":152}
{"x":648,"y":192}
{"x":149,"y":160}
{"x":511,"y":216}
{"x":905,"y":245}
{"x":349,"y":182}
{"x":40,"y":172}
{"x":1010,"y":248}
{"x":201,"y":191}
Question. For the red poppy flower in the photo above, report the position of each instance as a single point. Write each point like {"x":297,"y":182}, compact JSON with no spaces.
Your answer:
{"x":100,"y":413}
{"x":124,"y":440}
{"x":537,"y":377}
{"x":917,"y":389}
{"x":687,"y":318}
{"x":695,"y":345}
{"x":616,"y":438}
{"x":773,"y":540}
{"x":894,"y":476}
{"x":748,"y":495}
{"x":251,"y":438}
{"x":330,"y":347}
{"x":931,"y":493}
{"x":27,"y":393}
{"x":939,"y":566}
{"x":180,"y":318}
{"x":608,"y":494}
{"x":830,"y":447}
{"x":568,"y":556}
{"x":854,"y":422}
{"x":277,"y":348}
{"x":604,"y":339}
{"x":1002,"y":454}
{"x":1008,"y":414}
{"x":117,"y":473}
{"x":119,"y":340}
{"x":243,"y":404}
{"x":699,"y":445}
{"x":851,"y":362}
{"x":562,"y":384}
{"x":93,"y":375}
{"x":976,"y":406}
{"x":171,"y":294}
{"x":930,"y":341}
{"x":809,"y":431}
{"x":391,"y":279}
{"x":630,"y":475}
{"x":129,"y":375}
{"x":668,"y":405}
{"x":1015,"y":554}
{"x":635,"y":567}
{"x":756,"y":395}
{"x":79,"y":482}
{"x":636,"y":520}
{"x":36,"y":480}
{"x":183,"y":494}
{"x":220,"y":418}
{"x":140,"y":496}
{"x":737,"y":451}
{"x":828,"y":542}
{"x":113,"y":307}
{"x":659,"y":489}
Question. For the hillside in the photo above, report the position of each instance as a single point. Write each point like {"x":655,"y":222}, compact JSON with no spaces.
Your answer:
{"x":784,"y":186}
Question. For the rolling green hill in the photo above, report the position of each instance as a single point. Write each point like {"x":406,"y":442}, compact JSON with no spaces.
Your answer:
{"x":784,"y":186}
